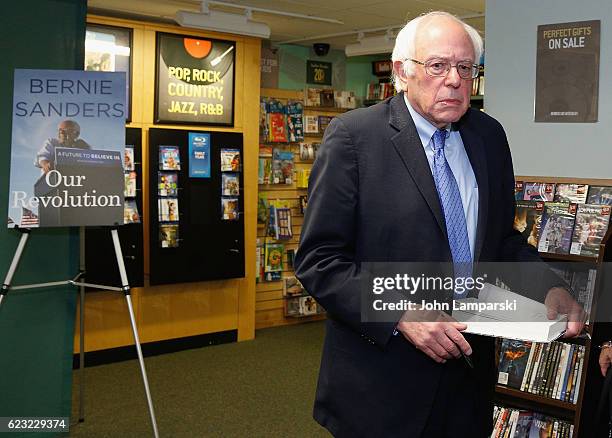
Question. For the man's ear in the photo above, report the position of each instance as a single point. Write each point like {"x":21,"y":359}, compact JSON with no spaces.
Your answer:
{"x":398,"y":68}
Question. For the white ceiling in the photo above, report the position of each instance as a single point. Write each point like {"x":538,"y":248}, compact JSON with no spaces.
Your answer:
{"x":355,"y":14}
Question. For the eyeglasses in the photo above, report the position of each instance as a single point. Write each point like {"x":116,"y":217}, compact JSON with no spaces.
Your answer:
{"x":441,"y":67}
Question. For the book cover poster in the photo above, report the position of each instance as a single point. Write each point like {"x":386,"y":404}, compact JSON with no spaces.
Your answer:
{"x":567,"y":72}
{"x":199,"y":155}
{"x":195,"y":80}
{"x":67,"y":148}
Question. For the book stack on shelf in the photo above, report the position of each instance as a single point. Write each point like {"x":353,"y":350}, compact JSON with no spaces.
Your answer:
{"x":550,"y":370}
{"x":383,"y":87}
{"x":518,"y":423}
{"x":478,"y":83}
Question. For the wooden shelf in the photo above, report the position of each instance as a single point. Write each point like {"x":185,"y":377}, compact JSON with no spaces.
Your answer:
{"x":537,"y":399}
{"x":326,"y":109}
{"x":568,"y":257}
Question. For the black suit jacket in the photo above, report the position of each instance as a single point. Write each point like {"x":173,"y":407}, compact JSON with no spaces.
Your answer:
{"x":372,"y":197}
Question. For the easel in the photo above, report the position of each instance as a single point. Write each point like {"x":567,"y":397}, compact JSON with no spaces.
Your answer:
{"x":6,"y":286}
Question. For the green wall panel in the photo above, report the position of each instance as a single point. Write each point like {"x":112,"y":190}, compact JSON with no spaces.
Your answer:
{"x":37,"y":326}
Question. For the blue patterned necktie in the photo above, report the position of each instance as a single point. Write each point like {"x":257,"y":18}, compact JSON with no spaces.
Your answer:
{"x":450,"y":198}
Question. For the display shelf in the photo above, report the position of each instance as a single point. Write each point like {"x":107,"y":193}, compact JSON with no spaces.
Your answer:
{"x":540,"y":400}
{"x":326,"y":109}
{"x":568,"y":257}
{"x":589,"y":383}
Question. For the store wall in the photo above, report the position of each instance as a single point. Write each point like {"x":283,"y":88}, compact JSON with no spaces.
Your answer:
{"x":545,"y":149}
{"x":347,"y":73}
{"x":184,"y":309}
{"x":36,"y":326}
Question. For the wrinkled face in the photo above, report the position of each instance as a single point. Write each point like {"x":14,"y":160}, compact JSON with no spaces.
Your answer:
{"x":67,"y":133}
{"x":441,"y":100}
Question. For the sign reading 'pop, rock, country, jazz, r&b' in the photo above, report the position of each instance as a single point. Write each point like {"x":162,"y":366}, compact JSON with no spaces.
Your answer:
{"x":195,"y":80}
{"x":67,"y":148}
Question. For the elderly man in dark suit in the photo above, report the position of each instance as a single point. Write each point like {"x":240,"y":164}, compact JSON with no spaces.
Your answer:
{"x":419,"y":177}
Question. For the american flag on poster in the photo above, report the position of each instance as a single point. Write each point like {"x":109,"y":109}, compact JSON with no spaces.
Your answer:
{"x":28,"y":219}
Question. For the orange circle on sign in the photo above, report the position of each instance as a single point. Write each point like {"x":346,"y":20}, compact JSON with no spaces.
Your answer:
{"x":197,"y":48}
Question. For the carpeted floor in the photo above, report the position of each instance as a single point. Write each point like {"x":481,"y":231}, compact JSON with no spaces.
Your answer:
{"x":260,"y":388}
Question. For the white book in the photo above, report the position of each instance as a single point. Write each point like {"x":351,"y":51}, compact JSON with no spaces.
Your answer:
{"x":579,"y":374}
{"x":534,"y":375}
{"x":561,"y":370}
{"x":501,"y":313}
{"x":514,"y":421}
{"x":528,"y":366}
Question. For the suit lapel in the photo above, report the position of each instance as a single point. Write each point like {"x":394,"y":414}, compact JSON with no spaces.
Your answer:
{"x":409,"y":147}
{"x":475,"y":149}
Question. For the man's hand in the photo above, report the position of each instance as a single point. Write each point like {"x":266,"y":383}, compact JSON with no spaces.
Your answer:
{"x":605,"y":359}
{"x":558,"y":300}
{"x":440,"y":340}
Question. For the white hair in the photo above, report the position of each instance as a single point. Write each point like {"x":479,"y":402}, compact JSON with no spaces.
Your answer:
{"x":405,"y":43}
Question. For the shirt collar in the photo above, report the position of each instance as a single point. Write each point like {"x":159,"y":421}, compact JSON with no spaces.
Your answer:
{"x":423,"y":126}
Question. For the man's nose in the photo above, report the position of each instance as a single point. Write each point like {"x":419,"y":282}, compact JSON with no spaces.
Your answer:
{"x":452,"y":77}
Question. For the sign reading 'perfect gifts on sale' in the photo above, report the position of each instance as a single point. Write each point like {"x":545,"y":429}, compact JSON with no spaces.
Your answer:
{"x":195,"y":80}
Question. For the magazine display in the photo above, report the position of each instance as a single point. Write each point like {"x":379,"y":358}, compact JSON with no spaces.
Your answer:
{"x":168,"y":209}
{"x":169,"y":158}
{"x":600,"y":195}
{"x":128,"y":158}
{"x":282,"y":229}
{"x":130,"y":185}
{"x":130,"y":212}
{"x":557,"y":226}
{"x":528,"y":219}
{"x":323,"y":122}
{"x":282,"y":167}
{"x":167,"y":184}
{"x":230,"y":160}
{"x":273,"y":261}
{"x":576,"y":193}
{"x":519,"y":190}
{"x":590,"y":228}
{"x":539,"y":191}
{"x":311,"y":124}
{"x":230,"y":184}
{"x":295,"y":121}
{"x":277,"y":122}
{"x":169,"y":235}
{"x":307,"y":151}
{"x":229,"y":209}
